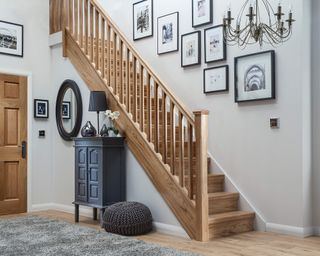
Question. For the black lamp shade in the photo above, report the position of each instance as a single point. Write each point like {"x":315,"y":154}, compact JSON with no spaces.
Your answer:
{"x":98,"y":101}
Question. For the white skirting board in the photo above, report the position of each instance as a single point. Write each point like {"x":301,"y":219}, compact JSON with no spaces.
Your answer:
{"x":291,"y":230}
{"x":87,"y":212}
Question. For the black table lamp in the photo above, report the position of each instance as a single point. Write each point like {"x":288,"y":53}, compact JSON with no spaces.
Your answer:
{"x":98,"y":102}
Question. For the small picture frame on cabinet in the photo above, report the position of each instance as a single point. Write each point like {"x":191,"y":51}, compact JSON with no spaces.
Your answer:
{"x":216,"y":79}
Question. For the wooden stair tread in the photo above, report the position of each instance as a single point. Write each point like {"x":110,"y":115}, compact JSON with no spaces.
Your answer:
{"x":230,"y":216}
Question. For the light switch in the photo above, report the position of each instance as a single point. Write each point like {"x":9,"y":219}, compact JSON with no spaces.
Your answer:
{"x":42,"y":133}
{"x":274,"y":123}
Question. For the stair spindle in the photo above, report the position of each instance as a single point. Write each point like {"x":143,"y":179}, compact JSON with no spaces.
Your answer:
{"x":103,"y":42}
{"x":91,"y":33}
{"x":76,"y":20}
{"x":97,"y":40}
{"x":86,"y":28}
{"x":181,"y":151}
{"x":71,"y":16}
{"x":149,"y":111}
{"x":172,"y":138}
{"x":164,"y":127}
{"x":141,"y":98}
{"x":81,"y":22}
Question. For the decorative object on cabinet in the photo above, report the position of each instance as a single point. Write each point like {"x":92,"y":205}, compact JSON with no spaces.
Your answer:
{"x":104,"y":131}
{"x":98,"y":102}
{"x":41,"y":108}
{"x":216,"y":79}
{"x":191,"y":49}
{"x":142,"y":19}
{"x":112,"y":116}
{"x":66,"y":110}
{"x":255,"y":77}
{"x":100,"y":178}
{"x":88,"y":130}
{"x":168,"y":33}
{"x":214,"y":44}
{"x":69,"y":110}
{"x":260,"y":25}
{"x":11,"y":39}
{"x":128,"y":219}
{"x":202,"y":12}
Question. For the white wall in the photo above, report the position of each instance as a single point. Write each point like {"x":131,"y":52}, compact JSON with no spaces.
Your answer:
{"x":315,"y":113}
{"x":139,"y":187}
{"x":33,"y":14}
{"x":271,"y":167}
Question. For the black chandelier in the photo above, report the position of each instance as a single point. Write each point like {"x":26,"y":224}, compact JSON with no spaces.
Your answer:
{"x":260,"y":25}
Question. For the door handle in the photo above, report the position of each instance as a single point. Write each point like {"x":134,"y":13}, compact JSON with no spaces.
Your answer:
{"x":24,"y":149}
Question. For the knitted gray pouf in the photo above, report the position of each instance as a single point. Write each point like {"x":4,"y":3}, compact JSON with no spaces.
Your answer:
{"x":128,"y":218}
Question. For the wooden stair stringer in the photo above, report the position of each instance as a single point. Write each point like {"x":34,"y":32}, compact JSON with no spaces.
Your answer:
{"x":159,"y":173}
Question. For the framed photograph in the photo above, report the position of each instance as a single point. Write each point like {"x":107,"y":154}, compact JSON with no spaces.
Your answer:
{"x":255,"y":77}
{"x":191,"y":49}
{"x":214,"y":44}
{"x":202,"y":12}
{"x":216,"y":79}
{"x":11,"y":39}
{"x":41,"y":108}
{"x":66,"y":110}
{"x":142,"y":19}
{"x":168,"y":33}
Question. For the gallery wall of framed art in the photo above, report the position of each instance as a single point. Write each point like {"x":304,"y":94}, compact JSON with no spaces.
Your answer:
{"x":254,"y":73}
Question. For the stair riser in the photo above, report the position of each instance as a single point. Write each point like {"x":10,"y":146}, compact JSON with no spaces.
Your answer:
{"x":231,"y":228}
{"x":223,"y":205}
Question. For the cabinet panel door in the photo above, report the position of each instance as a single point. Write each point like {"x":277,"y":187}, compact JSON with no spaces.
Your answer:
{"x":94,"y":172}
{"x":81,"y":178}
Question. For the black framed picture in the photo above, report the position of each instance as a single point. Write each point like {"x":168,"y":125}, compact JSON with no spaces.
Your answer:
{"x":216,"y":79}
{"x":66,"y":110}
{"x":202,"y":12}
{"x":142,"y":19}
{"x":214,"y":44}
{"x":255,"y":77}
{"x":41,"y":108}
{"x":11,"y":39}
{"x":191,"y":49}
{"x":168,"y":33}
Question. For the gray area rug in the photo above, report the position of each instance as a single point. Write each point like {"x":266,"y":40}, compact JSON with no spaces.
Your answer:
{"x":35,"y":235}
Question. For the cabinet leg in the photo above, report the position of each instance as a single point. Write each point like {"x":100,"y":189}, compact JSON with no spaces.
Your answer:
{"x":76,"y":213}
{"x":101,"y":217}
{"x":95,"y":214}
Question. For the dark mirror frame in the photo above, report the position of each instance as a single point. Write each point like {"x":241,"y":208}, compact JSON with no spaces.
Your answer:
{"x":69,"y":84}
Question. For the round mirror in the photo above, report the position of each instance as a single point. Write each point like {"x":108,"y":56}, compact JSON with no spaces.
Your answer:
{"x":69,"y":110}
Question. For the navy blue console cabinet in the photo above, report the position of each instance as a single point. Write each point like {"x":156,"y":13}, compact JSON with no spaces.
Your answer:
{"x":100,"y":178}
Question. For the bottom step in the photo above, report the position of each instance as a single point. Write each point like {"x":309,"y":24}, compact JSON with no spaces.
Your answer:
{"x":230,"y":223}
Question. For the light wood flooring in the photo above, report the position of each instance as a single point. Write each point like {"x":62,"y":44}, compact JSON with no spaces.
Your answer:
{"x":247,"y":244}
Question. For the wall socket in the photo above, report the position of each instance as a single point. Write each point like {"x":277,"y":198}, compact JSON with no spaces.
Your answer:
{"x":274,"y":123}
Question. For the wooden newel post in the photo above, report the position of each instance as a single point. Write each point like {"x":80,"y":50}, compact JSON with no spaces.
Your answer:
{"x":202,"y":208}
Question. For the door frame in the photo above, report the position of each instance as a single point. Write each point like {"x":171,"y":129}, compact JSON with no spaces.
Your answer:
{"x":27,"y":74}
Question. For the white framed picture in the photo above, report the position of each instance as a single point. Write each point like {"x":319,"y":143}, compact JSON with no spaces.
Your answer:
{"x":202,"y":12}
{"x":216,"y":79}
{"x":11,"y":39}
{"x":142,"y":19}
{"x":214,"y":44}
{"x":191,"y":49}
{"x":255,"y":77}
{"x":168,"y":33}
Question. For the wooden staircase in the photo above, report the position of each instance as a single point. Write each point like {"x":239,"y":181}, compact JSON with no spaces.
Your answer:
{"x":168,"y":141}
